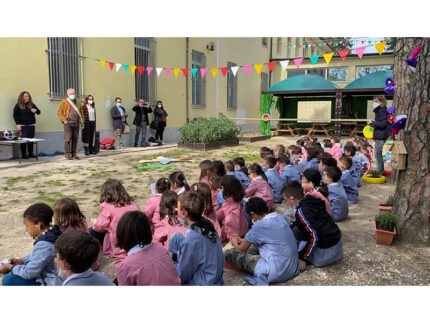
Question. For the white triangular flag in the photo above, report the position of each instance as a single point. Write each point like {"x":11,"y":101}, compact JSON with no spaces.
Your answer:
{"x":159,"y":70}
{"x":118,"y":66}
{"x":234,"y":69}
{"x":284,"y":64}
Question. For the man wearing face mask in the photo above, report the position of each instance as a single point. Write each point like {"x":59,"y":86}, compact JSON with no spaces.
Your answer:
{"x":71,"y":116}
{"x":141,"y":121}
{"x":119,"y":117}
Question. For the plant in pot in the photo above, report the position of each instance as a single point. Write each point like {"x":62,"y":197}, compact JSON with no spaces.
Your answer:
{"x":374,"y":177}
{"x":385,"y":228}
{"x":387,"y":206}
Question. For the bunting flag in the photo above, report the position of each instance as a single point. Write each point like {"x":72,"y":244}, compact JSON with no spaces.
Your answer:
{"x":380,"y":47}
{"x":176,"y":71}
{"x":133,"y":68}
{"x":140,"y":69}
{"x":247,"y":68}
{"x":343,"y":53}
{"x":203,"y":71}
{"x":111,"y":65}
{"x":102,"y":64}
{"x":118,"y":66}
{"x":214,"y":70}
{"x":168,"y":70}
{"x":314,"y":59}
{"x":271,"y":66}
{"x":360,"y":51}
{"x":328,"y":57}
{"x":194,"y":71}
{"x":125,"y":67}
{"x":185,"y":71}
{"x":234,"y":69}
{"x":258,"y":68}
{"x":149,"y":70}
{"x":159,"y":70}
{"x":224,"y":70}
{"x":284,"y":64}
{"x":298,"y":61}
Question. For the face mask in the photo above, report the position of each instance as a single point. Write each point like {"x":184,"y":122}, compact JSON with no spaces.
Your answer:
{"x":118,"y":104}
{"x":181,"y":221}
{"x":72,"y":97}
{"x":90,"y":101}
{"x":276,"y":153}
{"x":159,"y":105}
{"x":62,"y":274}
{"x":375,"y":104}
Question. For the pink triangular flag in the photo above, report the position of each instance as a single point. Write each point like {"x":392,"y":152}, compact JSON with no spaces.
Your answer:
{"x":203,"y":71}
{"x":247,"y":68}
{"x":360,"y":51}
{"x":149,"y":70}
{"x":168,"y":70}
{"x":298,"y":61}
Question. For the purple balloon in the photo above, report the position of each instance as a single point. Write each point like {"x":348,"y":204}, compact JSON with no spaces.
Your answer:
{"x":391,"y":109}
{"x":399,"y":124}
{"x":412,"y":62}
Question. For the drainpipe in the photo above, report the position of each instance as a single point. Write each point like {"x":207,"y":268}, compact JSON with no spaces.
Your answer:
{"x":187,"y":103}
{"x":270,"y":60}
{"x":217,"y":64}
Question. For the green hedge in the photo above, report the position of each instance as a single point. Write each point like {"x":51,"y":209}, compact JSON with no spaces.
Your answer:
{"x":206,"y":130}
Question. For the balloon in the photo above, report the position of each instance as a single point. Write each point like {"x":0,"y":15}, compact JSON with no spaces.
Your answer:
{"x":368,"y":132}
{"x":391,"y":110}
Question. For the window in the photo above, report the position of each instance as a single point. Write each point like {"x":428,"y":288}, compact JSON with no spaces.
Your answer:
{"x":198,"y":83}
{"x":278,"y":44}
{"x":64,"y":66}
{"x":318,"y":71}
{"x":364,"y":70}
{"x":144,"y":55}
{"x":339,"y":74}
{"x":264,"y":81}
{"x":264,"y":41}
{"x":289,"y":48}
{"x":295,"y":72}
{"x":231,"y":88}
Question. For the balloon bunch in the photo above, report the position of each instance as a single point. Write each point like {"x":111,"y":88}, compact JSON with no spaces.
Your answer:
{"x":412,"y":61}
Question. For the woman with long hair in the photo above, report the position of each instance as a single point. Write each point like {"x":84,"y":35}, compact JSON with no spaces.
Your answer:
{"x":88,"y":133}
{"x":160,"y":117}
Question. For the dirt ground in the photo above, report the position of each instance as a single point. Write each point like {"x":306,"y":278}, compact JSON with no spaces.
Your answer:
{"x":364,"y":262}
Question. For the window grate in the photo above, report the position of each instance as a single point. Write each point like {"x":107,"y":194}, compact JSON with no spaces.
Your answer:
{"x":198,"y":83}
{"x":231,"y":88}
{"x":144,"y":55}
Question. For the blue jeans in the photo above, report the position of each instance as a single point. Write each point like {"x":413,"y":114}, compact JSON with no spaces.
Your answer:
{"x":15,"y":280}
{"x":175,"y":242}
{"x":379,"y":144}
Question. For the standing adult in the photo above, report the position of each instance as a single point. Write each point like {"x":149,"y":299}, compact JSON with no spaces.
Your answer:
{"x":160,"y":117}
{"x":382,"y":129}
{"x":88,"y":133}
{"x":119,"y":121}
{"x":70,"y":114}
{"x":25,"y":119}
{"x":141,"y":121}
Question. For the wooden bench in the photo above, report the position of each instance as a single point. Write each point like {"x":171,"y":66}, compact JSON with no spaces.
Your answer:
{"x":319,"y":128}
{"x":356,"y":127}
{"x":287,"y":127}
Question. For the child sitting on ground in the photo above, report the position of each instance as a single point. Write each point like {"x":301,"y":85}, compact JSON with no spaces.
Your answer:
{"x":318,"y":237}
{"x":231,"y":213}
{"x":178,"y":182}
{"x":208,"y":176}
{"x":325,"y":160}
{"x":311,"y":184}
{"x":259,"y":186}
{"x":336,"y":195}
{"x":327,"y":145}
{"x":348,"y":183}
{"x":268,"y":253}
{"x":273,"y":177}
{"x":289,"y":172}
{"x":312,"y":159}
{"x":264,"y":151}
{"x":152,"y":206}
{"x":198,"y":256}
{"x":366,"y":158}
{"x":69,"y":217}
{"x":168,"y":223}
{"x":76,"y":252}
{"x":241,"y":172}
{"x":146,"y":264}
{"x":336,"y":149}
{"x":278,"y":151}
{"x":114,"y":202}
{"x":230,"y":170}
{"x":356,"y":167}
{"x":36,"y":268}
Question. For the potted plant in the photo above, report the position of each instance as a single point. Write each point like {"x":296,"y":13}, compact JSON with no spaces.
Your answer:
{"x":385,"y":228}
{"x":374,"y":177}
{"x":387,"y":206}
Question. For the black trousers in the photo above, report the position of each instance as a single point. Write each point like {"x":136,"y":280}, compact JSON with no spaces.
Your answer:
{"x":92,"y":133}
{"x":98,"y":235}
{"x":27,"y":132}
{"x":159,"y":131}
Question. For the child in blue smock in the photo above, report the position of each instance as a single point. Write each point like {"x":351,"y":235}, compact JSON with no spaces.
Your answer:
{"x":348,"y":183}
{"x":289,"y":172}
{"x":264,"y":151}
{"x":356,"y":168}
{"x":336,"y":193}
{"x":273,"y":178}
{"x":312,"y":157}
{"x":239,"y":174}
{"x":268,"y":253}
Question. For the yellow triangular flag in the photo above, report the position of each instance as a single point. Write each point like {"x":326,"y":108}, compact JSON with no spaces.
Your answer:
{"x":380,"y":47}
{"x":258,"y":68}
{"x":132,"y":68}
{"x":214,"y":70}
{"x":328,"y":57}
{"x":103,"y":63}
{"x":176,"y":71}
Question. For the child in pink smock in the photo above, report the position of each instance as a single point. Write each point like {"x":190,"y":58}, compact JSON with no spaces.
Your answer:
{"x":178,"y":182}
{"x":336,"y":149}
{"x":152,"y":206}
{"x":147,"y":263}
{"x":259,"y":186}
{"x":168,"y":223}
{"x":114,"y":202}
{"x":311,"y":184}
{"x":207,"y":176}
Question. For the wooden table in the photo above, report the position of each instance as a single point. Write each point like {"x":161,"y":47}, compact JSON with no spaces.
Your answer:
{"x":356,"y":126}
{"x":319,"y":128}
{"x":19,"y":142}
{"x":287,"y":127}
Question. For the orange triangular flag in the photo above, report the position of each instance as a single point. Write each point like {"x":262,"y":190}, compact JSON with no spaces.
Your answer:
{"x":102,"y":64}
{"x":258,"y":68}
{"x":380,"y":47}
{"x":214,"y":70}
{"x":133,"y":68}
{"x":176,"y":71}
{"x":328,"y":57}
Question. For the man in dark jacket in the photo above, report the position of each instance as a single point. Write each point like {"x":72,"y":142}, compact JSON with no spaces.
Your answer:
{"x":141,"y":121}
{"x":119,"y":121}
{"x":319,"y":238}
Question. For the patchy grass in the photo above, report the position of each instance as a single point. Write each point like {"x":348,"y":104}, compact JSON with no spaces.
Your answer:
{"x":55,"y":183}
{"x":51,"y":197}
{"x":11,"y":181}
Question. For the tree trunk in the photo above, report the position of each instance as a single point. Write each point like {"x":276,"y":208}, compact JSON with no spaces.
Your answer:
{"x":412,"y":98}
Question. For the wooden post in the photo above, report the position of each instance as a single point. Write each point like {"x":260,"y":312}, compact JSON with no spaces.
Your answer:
{"x":338,"y":114}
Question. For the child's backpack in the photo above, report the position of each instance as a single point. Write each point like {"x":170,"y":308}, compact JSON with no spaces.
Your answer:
{"x":107,"y":143}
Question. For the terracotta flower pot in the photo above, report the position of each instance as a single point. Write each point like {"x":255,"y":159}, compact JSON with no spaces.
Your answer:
{"x":384,"y":208}
{"x":384,"y":237}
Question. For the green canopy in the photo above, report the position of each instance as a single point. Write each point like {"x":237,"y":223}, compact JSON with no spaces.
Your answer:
{"x":303,"y":83}
{"x":374,"y":80}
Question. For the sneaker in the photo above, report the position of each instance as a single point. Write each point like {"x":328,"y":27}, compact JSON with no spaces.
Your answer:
{"x":76,"y":157}
{"x":135,"y":145}
{"x":163,"y":143}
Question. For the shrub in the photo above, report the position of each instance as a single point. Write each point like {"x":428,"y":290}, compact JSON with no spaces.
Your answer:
{"x":386,"y":221}
{"x":375,"y":174}
{"x":206,"y":130}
